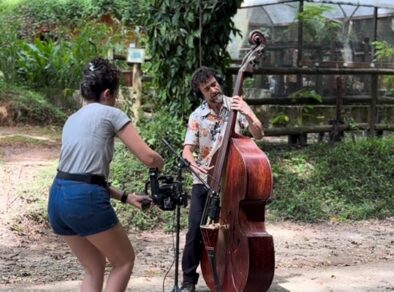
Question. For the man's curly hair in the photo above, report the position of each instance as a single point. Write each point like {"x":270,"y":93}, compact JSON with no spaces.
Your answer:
{"x":202,"y":75}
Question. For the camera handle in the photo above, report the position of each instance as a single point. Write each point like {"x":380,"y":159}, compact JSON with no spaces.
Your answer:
{"x":183,"y":163}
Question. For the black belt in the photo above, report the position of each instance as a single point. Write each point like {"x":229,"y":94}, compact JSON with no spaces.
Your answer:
{"x":87,"y":178}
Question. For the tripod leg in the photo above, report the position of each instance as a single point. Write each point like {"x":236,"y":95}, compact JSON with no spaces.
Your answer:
{"x":178,"y":216}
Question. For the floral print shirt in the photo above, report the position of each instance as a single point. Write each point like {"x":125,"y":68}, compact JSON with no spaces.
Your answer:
{"x":206,"y":130}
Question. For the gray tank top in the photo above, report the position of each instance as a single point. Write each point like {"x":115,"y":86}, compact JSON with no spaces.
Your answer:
{"x":88,"y":139}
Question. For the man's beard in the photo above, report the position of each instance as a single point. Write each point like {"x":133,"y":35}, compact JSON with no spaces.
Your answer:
{"x":218,"y":98}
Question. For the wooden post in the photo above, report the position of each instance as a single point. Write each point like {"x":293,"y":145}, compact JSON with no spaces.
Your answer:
{"x":339,"y":99}
{"x":299,"y":139}
{"x":374,"y":84}
{"x":318,"y":80}
{"x":375,"y":32}
{"x":137,"y":91}
{"x":367,"y":58}
{"x":372,"y":107}
{"x":280,"y":78}
{"x":336,"y":134}
{"x":300,"y":43}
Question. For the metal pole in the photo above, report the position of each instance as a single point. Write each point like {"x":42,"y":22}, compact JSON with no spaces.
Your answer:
{"x":178,"y":215}
{"x":300,"y":43}
{"x":374,"y":84}
{"x":200,"y":28}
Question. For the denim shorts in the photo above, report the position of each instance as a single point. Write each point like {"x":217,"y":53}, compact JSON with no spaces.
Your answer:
{"x":78,"y":208}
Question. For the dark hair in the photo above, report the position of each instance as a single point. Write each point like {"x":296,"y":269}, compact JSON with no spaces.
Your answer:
{"x":202,"y":75}
{"x":98,"y":76}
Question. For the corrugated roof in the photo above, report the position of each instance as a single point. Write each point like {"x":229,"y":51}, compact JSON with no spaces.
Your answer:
{"x":366,"y":3}
{"x":285,"y":11}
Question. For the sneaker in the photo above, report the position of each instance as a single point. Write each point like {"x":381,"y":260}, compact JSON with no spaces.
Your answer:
{"x":188,"y":288}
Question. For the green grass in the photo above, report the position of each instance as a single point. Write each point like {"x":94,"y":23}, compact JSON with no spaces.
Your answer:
{"x":24,"y":140}
{"x":347,"y":181}
{"x":322,"y":182}
{"x":28,"y":107}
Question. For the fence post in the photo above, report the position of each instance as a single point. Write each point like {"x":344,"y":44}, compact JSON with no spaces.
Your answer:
{"x":137,"y":91}
{"x":374,"y":82}
{"x":300,"y":43}
{"x":336,"y":133}
{"x":372,"y":107}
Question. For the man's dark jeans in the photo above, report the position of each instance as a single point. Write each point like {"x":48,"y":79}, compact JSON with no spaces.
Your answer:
{"x":194,"y":245}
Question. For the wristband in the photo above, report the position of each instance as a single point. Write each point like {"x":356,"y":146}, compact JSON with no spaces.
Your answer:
{"x":123,"y":199}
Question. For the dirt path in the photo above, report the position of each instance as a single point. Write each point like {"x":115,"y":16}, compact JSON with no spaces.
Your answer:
{"x":309,"y":257}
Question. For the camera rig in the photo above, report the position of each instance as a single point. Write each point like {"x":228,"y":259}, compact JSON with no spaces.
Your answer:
{"x":166,"y":191}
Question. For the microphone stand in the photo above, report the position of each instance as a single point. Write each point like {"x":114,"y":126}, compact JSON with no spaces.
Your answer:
{"x":181,"y":200}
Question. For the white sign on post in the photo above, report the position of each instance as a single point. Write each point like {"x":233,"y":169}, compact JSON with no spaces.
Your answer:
{"x":135,"y":55}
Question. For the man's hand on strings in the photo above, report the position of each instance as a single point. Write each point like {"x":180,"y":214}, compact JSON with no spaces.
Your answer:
{"x":200,"y":169}
{"x":239,"y":104}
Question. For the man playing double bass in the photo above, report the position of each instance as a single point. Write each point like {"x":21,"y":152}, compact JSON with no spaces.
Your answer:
{"x":204,"y":135}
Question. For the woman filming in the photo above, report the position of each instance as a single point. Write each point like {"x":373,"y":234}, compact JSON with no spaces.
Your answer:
{"x":79,"y":206}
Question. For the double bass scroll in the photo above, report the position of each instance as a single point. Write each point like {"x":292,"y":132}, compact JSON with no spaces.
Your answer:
{"x":239,"y":252}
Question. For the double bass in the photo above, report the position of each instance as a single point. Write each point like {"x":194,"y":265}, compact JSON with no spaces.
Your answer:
{"x":239,"y":252}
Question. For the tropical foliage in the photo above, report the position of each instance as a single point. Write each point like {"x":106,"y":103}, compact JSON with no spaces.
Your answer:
{"x":178,"y":44}
{"x":385,"y":53}
{"x":317,"y":27}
